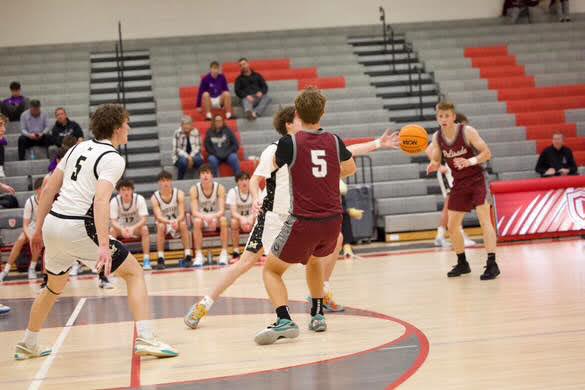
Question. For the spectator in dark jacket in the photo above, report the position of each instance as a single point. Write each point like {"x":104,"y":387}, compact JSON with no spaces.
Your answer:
{"x":63,"y":127}
{"x":214,"y":92}
{"x":222,"y":147}
{"x":16,"y":104}
{"x":557,"y":159}
{"x":516,"y":8}
{"x":251,"y":88}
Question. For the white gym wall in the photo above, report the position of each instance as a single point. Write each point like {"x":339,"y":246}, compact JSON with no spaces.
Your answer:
{"x":31,"y":22}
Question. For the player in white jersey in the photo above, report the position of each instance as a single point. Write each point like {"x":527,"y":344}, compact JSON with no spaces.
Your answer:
{"x":75,"y":227}
{"x":128,"y":213}
{"x":28,"y":228}
{"x":274,"y":211}
{"x":445,"y":178}
{"x":239,"y":199}
{"x":168,"y":206}
{"x":208,"y":213}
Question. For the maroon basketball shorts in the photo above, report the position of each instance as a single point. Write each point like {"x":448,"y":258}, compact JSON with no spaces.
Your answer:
{"x":301,"y":238}
{"x":468,"y":193}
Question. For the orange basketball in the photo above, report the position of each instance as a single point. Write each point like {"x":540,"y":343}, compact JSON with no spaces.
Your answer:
{"x":413,"y":139}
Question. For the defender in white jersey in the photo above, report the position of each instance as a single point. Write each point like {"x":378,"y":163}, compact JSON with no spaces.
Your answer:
{"x":239,"y":199}
{"x":128,"y":213}
{"x":75,"y":228}
{"x":208,"y":213}
{"x":28,"y":228}
{"x":168,"y":206}
{"x":274,"y":208}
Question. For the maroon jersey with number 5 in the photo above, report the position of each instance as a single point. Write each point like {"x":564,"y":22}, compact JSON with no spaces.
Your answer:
{"x":313,"y":159}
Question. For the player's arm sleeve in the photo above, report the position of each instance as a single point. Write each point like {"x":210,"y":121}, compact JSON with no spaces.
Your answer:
{"x":344,"y":153}
{"x":142,"y":209}
{"x":113,"y":209}
{"x":111,"y":168}
{"x":265,"y":168}
{"x":284,"y":151}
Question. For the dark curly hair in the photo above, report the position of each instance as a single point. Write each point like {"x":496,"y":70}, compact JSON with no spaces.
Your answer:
{"x":106,"y":119}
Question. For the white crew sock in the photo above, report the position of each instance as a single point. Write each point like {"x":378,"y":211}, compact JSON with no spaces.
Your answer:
{"x":146,"y":257}
{"x":161,"y":255}
{"x":32,"y":265}
{"x":187,"y":252}
{"x":144,"y":328}
{"x":30,"y":338}
{"x":326,"y":287}
{"x":441,"y":232}
{"x":207,"y":302}
{"x":7,"y":267}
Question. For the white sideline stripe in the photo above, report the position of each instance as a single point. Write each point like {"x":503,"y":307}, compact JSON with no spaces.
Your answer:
{"x":44,"y":369}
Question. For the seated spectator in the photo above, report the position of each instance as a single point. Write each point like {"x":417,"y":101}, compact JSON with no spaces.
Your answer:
{"x":16,"y":104}
{"x":214,"y":92}
{"x":222,"y":147}
{"x":29,"y":219}
{"x":239,"y":199}
{"x":516,"y":8}
{"x":186,"y":147}
{"x":3,"y":142}
{"x":251,"y":88}
{"x":62,"y":128}
{"x":562,"y":9}
{"x":35,"y":128}
{"x":67,"y":143}
{"x":556,"y":160}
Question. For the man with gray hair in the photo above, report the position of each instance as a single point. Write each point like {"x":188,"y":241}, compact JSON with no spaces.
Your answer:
{"x":186,"y":147}
{"x":35,"y":128}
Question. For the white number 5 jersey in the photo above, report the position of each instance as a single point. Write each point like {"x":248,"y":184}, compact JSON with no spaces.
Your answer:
{"x":82,"y":166}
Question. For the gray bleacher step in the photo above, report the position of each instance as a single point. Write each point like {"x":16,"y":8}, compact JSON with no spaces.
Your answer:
{"x":392,"y":91}
{"x":408,"y":204}
{"x":107,"y":56}
{"x":143,"y":120}
{"x":404,"y":82}
{"x":142,"y":175}
{"x":399,"y":59}
{"x":376,"y":41}
{"x":400,"y":77}
{"x":131,"y":63}
{"x":131,"y":97}
{"x":418,"y":221}
{"x":143,"y":160}
{"x":403,"y":103}
{"x":143,"y":133}
{"x":399,"y":69}
{"x":143,"y":74}
{"x":143,"y":146}
{"x":136,"y":108}
{"x":363,"y":51}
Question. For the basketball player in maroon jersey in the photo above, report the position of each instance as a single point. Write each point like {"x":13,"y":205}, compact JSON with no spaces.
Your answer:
{"x":316,"y":161}
{"x":465,"y":152}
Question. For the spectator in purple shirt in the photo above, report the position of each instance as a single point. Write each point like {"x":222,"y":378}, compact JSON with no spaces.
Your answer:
{"x":214,"y":92}
{"x":16,"y":104}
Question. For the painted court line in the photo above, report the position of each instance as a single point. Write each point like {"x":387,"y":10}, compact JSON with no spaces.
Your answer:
{"x":44,"y":369}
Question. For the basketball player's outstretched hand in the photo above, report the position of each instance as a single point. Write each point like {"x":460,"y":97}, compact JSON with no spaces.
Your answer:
{"x":104,"y":261}
{"x":461,"y":163}
{"x":433,"y":167}
{"x":390,"y":140}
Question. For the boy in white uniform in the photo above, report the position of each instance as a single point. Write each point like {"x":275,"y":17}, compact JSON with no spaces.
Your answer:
{"x":239,"y":199}
{"x":128,"y":213}
{"x":28,"y":228}
{"x":168,"y":207}
{"x":77,"y":230}
{"x":208,"y":213}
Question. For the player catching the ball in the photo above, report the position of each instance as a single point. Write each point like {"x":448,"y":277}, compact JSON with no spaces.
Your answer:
{"x":465,"y":152}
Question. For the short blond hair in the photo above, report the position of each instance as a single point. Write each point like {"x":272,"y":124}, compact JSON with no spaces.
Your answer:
{"x":445,"y":106}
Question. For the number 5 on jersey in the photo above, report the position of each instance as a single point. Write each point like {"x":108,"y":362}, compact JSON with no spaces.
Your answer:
{"x":77,"y":167}
{"x":319,"y":163}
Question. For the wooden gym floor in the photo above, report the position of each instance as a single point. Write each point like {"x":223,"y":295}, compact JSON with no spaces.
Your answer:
{"x":406,"y":325}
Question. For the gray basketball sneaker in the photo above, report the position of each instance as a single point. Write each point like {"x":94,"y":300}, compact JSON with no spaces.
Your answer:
{"x":318,"y":323}
{"x":281,"y":329}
